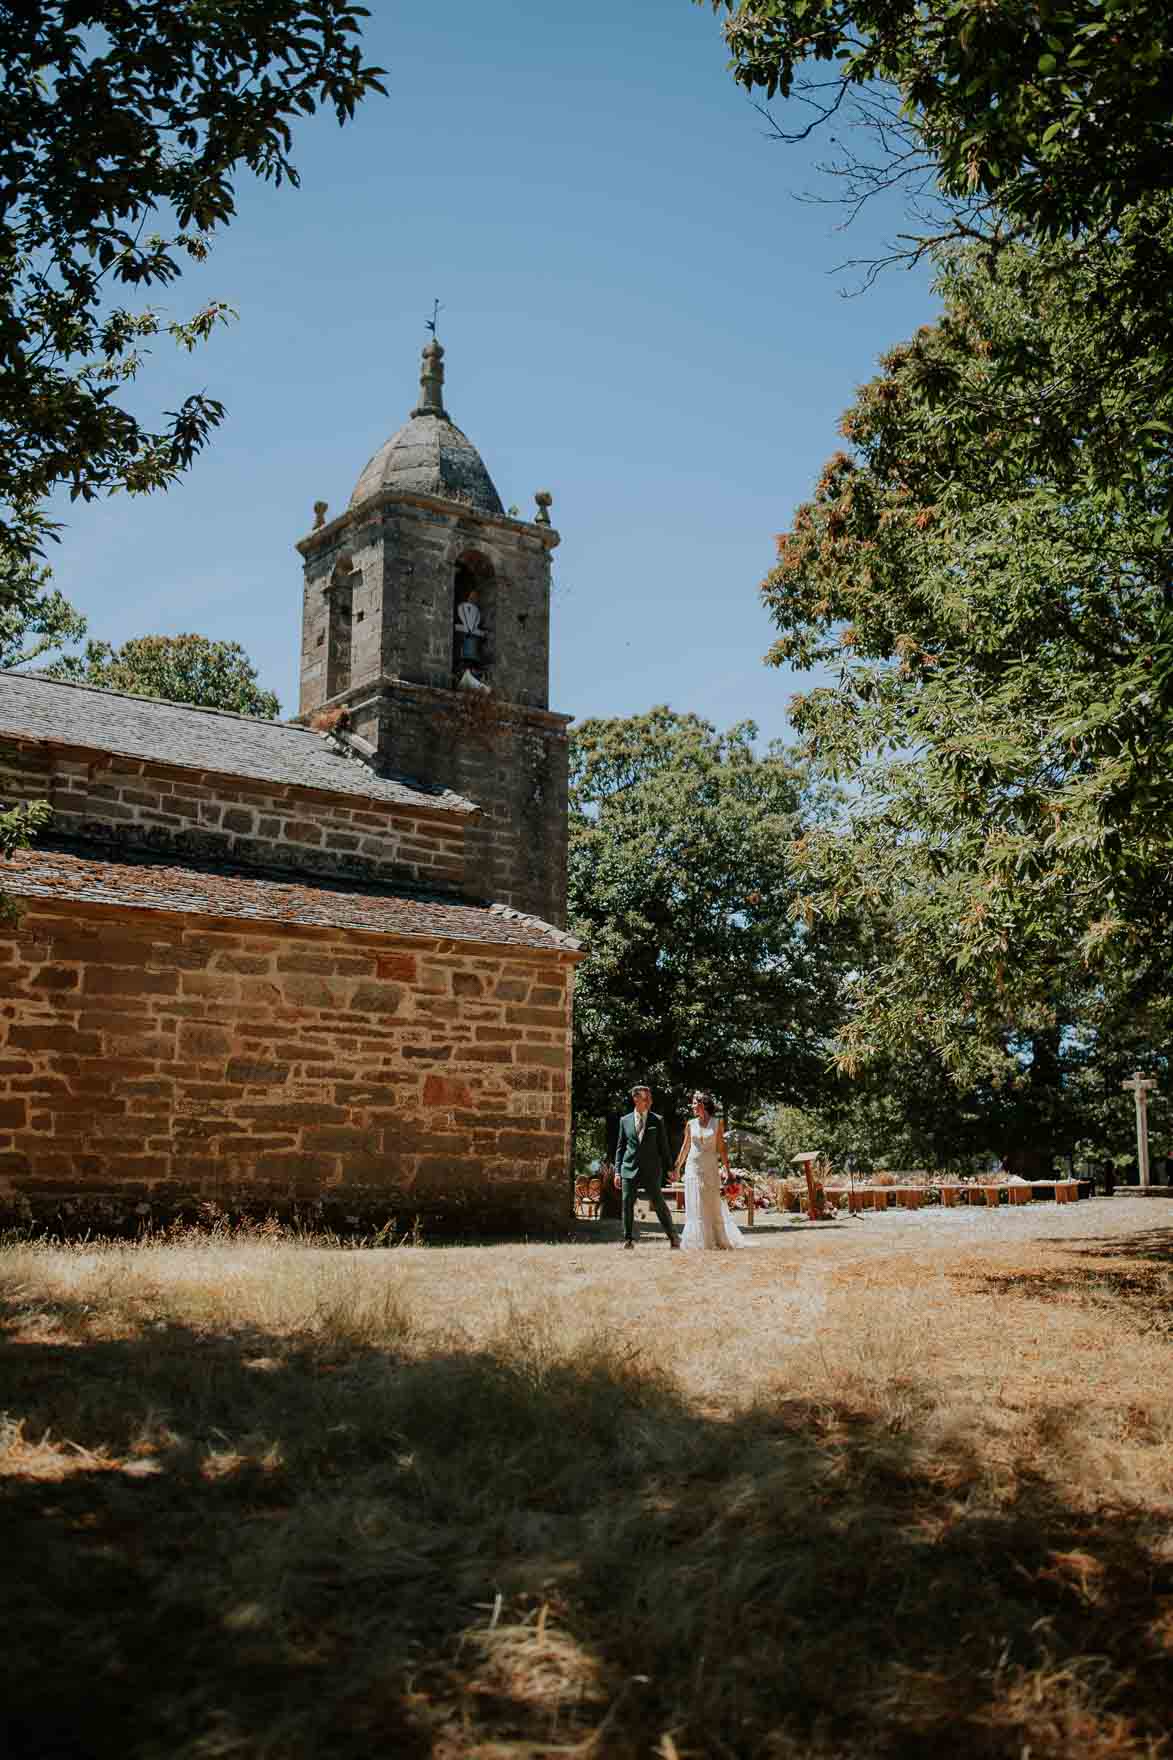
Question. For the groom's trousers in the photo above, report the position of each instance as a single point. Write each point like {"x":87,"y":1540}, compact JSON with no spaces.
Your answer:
{"x":651,"y":1184}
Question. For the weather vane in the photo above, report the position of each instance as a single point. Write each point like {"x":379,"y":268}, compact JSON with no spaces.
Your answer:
{"x":431,"y":322}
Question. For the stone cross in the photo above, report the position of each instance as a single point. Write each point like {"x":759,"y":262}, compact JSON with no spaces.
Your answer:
{"x":1140,"y":1086}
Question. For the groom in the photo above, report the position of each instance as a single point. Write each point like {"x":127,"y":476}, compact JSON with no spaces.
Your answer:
{"x":642,"y":1157}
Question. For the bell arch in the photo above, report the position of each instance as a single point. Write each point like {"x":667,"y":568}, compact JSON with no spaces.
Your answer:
{"x":474,"y":587}
{"x":340,"y":627}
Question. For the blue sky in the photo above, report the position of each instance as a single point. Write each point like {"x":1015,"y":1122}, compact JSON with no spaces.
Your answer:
{"x":638,"y":315}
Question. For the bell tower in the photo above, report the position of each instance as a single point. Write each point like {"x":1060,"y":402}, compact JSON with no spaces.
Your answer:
{"x":426,"y":618}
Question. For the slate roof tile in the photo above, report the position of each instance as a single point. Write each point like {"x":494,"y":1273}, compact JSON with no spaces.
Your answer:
{"x":191,"y":738}
{"x":429,"y":455}
{"x":76,"y":874}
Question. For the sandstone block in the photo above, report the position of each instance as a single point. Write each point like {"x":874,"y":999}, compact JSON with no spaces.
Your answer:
{"x":553,"y":1056}
{"x":535,"y":1017}
{"x":58,"y":1037}
{"x":376,"y":998}
{"x":446,"y":1091}
{"x":101,"y":980}
{"x":250,"y":1073}
{"x":303,"y":831}
{"x":55,"y":978}
{"x":340,"y":1139}
{"x":202,"y":1041}
{"x":403,"y":967}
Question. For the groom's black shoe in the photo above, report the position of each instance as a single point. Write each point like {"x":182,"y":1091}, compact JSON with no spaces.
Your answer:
{"x":674,"y":1244}
{"x":628,"y":1245}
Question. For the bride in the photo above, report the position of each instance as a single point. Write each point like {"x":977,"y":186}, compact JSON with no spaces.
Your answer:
{"x":707,"y":1222}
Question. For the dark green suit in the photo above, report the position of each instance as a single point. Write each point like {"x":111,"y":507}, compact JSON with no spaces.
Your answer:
{"x":643,"y":1162}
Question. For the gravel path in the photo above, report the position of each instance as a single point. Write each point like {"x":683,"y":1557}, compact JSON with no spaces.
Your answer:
{"x":886,"y":1232}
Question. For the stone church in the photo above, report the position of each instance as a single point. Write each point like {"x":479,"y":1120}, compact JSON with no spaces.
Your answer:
{"x":317,"y":965}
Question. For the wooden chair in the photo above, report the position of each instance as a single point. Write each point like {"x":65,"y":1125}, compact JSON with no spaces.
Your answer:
{"x":588,"y":1196}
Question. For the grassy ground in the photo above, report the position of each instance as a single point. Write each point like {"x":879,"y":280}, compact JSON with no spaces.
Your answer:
{"x":888,"y":1488}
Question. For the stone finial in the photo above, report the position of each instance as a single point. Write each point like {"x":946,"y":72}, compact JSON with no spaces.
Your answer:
{"x":545,"y":501}
{"x":321,"y":508}
{"x":431,"y":401}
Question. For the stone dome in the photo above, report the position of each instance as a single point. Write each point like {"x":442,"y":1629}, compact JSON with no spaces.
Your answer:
{"x":429,"y":455}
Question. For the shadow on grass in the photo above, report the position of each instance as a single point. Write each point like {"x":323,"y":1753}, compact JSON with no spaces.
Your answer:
{"x":314,"y":1548}
{"x":602,"y":1231}
{"x":1143,"y":1292}
{"x":1155,"y":1246}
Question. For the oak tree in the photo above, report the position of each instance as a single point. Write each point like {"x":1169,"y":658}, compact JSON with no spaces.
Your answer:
{"x":184,"y":669}
{"x":698,"y":971}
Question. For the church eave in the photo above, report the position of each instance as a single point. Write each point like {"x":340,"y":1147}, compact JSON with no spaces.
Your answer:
{"x":57,"y":872}
{"x":327,"y":536}
{"x":356,"y":695}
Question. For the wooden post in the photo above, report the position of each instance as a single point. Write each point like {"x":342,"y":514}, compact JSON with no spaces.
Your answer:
{"x":749,"y":1203}
{"x":808,"y":1161}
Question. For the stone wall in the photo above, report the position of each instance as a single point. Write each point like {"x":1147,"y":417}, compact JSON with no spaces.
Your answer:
{"x":150,"y":1061}
{"x":514,"y":763}
{"x":395,"y":560}
{"x":128,"y":803}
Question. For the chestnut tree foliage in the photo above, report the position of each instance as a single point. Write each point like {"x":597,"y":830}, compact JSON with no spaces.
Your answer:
{"x":991,"y":599}
{"x":699,"y":971}
{"x":1059,"y":110}
{"x":986,"y":577}
{"x":1039,"y":122}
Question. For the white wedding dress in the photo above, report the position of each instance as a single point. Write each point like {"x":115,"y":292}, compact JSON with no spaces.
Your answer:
{"x":707,"y":1222}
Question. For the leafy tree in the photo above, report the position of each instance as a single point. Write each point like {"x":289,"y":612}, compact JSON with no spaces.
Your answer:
{"x":987,"y":576}
{"x":993,"y":618}
{"x":1060,"y":112}
{"x":184,"y":669}
{"x":114,"y":114}
{"x":905,"y":1111}
{"x":1034,"y":123}
{"x":34,"y":618}
{"x":18,"y":826}
{"x":698,"y":973}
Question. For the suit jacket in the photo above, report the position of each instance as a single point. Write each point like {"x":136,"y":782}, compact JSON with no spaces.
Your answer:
{"x":653,"y":1155}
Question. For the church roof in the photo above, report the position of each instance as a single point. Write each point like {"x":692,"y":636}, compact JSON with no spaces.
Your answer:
{"x":78,"y":875}
{"x":212,"y":740}
{"x":429,"y":455}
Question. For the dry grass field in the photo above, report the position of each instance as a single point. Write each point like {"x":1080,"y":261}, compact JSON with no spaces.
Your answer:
{"x":892,"y":1487}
